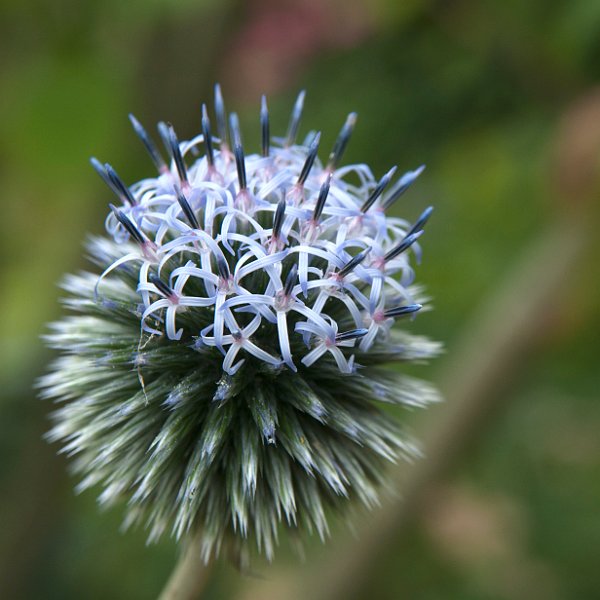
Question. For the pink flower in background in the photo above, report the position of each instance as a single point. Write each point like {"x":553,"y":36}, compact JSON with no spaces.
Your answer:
{"x":279,"y":38}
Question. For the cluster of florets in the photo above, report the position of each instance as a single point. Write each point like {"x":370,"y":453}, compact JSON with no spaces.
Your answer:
{"x":266,"y":236}
{"x":270,"y":270}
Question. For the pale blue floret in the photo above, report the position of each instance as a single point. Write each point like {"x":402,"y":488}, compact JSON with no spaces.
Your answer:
{"x":326,"y":335}
{"x":238,"y":340}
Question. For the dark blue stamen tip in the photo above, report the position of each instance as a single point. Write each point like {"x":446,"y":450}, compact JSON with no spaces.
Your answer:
{"x":342,"y":141}
{"x":187,"y":210}
{"x":264,"y":127}
{"x":221,"y":118}
{"x":210,"y":155}
{"x":238,"y":150}
{"x":236,"y":131}
{"x":420,"y":223}
{"x":278,"y":217}
{"x":310,"y":159}
{"x":176,"y":154}
{"x":405,"y":244}
{"x":353,"y":334}
{"x":290,"y":280}
{"x":131,"y":229}
{"x":240,"y":164}
{"x":353,"y":263}
{"x":99,"y":168}
{"x":149,"y":144}
{"x":400,"y":311}
{"x":383,"y":183}
{"x":323,"y":193}
{"x":117,"y":184}
{"x":163,"y":132}
{"x":223,"y":268}
{"x":402,"y":185}
{"x":161,"y":286}
{"x":294,"y":124}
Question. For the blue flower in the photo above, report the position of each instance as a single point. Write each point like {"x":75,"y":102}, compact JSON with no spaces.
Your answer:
{"x":222,"y":370}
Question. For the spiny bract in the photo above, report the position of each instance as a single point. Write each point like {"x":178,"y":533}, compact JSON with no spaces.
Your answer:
{"x":222,"y":373}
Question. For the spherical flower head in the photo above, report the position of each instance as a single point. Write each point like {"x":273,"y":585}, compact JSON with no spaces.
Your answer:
{"x":222,"y":370}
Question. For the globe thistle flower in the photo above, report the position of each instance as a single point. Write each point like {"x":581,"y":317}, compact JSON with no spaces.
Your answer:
{"x":222,"y":371}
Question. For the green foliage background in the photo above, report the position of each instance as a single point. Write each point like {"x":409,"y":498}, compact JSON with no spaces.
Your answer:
{"x":477,"y":91}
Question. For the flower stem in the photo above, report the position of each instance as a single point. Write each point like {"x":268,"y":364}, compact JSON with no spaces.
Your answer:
{"x":190,"y":576}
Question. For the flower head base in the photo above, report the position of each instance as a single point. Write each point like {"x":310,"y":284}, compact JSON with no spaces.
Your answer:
{"x":221,"y":371}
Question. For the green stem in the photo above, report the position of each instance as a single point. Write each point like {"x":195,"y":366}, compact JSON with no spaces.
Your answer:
{"x":190,"y":576}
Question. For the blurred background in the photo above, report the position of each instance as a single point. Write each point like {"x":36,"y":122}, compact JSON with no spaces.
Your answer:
{"x":501,"y":100}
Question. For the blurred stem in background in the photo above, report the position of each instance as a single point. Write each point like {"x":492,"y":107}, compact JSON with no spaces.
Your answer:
{"x":477,"y":376}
